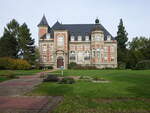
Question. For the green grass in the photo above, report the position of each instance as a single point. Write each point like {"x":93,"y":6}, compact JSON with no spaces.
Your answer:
{"x":17,"y":73}
{"x":3,"y":79}
{"x":128,"y":91}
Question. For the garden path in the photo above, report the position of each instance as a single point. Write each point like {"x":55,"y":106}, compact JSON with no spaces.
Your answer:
{"x":12,"y":99}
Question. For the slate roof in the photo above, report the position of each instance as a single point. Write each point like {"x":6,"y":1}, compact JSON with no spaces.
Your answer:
{"x":81,"y":29}
{"x":58,"y":26}
{"x":76,"y":29}
{"x":43,"y":22}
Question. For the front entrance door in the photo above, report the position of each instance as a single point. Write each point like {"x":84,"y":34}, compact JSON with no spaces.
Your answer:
{"x":60,"y":62}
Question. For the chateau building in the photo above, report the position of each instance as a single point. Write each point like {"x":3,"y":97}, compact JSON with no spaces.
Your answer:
{"x":85,"y":44}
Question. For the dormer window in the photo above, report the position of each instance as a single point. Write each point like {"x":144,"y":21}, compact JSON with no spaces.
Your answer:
{"x":48,"y":36}
{"x":72,"y":38}
{"x":86,"y":38}
{"x":108,"y":38}
{"x":79,"y":38}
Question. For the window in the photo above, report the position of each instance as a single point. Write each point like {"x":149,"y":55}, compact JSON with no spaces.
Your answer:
{"x":44,"y":48}
{"x":72,"y":52}
{"x":101,"y":37}
{"x":48,"y":36}
{"x":72,"y":38}
{"x":44,"y":58}
{"x":93,"y":38}
{"x":94,"y":53}
{"x":105,"y":49}
{"x":72,"y":55}
{"x":79,"y":38}
{"x":80,"y":57}
{"x":60,"y":41}
{"x":97,"y":38}
{"x":105,"y":58}
{"x":51,"y":57}
{"x":112,"y":59}
{"x":86,"y":38}
{"x":108,"y":38}
{"x":87,"y":55}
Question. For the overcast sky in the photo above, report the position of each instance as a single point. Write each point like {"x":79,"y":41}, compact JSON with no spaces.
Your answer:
{"x":135,"y":14}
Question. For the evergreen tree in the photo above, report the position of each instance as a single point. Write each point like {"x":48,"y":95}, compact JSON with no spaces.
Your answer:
{"x":122,"y":42}
{"x":8,"y":42}
{"x":26,"y":44}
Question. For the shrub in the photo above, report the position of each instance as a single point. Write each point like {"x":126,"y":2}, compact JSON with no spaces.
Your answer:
{"x":144,"y":64}
{"x":21,"y":64}
{"x":10,"y":63}
{"x":72,"y":65}
{"x":50,"y":67}
{"x":51,"y":78}
{"x":121,"y":65}
{"x":9,"y":74}
{"x":67,"y":80}
{"x":6,"y":63}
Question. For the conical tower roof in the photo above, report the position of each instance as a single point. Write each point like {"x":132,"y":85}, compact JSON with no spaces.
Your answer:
{"x":43,"y":22}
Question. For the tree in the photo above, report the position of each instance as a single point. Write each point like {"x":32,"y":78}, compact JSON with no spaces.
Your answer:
{"x":8,"y":42}
{"x":26,"y":44}
{"x":122,"y":42}
{"x":138,"y":51}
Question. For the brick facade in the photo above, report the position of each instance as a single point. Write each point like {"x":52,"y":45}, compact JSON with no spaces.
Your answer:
{"x":63,"y":44}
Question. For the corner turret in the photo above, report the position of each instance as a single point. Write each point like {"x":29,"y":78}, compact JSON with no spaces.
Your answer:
{"x":43,"y":27}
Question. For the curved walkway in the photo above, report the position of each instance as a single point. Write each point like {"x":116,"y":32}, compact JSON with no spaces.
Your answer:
{"x":13,"y":101}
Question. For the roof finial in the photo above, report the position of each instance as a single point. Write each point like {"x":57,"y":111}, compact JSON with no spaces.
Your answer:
{"x":97,"y":21}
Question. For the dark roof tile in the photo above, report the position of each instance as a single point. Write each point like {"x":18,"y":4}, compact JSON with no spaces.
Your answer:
{"x":43,"y":22}
{"x":81,"y":29}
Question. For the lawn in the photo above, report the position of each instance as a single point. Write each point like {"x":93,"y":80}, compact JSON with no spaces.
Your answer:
{"x":17,"y":73}
{"x":128,"y":91}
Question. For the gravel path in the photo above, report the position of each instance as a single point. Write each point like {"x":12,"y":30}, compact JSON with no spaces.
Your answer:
{"x":12,"y":99}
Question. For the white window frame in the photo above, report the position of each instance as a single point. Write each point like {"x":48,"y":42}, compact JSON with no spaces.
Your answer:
{"x":48,"y":36}
{"x":87,"y":38}
{"x":44,"y":47}
{"x":108,"y":38}
{"x":79,"y":38}
{"x":72,"y":38}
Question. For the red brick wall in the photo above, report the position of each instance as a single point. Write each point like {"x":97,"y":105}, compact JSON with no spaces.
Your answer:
{"x":42,"y":31}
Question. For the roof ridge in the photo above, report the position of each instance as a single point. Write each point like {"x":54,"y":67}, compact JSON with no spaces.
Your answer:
{"x":78,"y":24}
